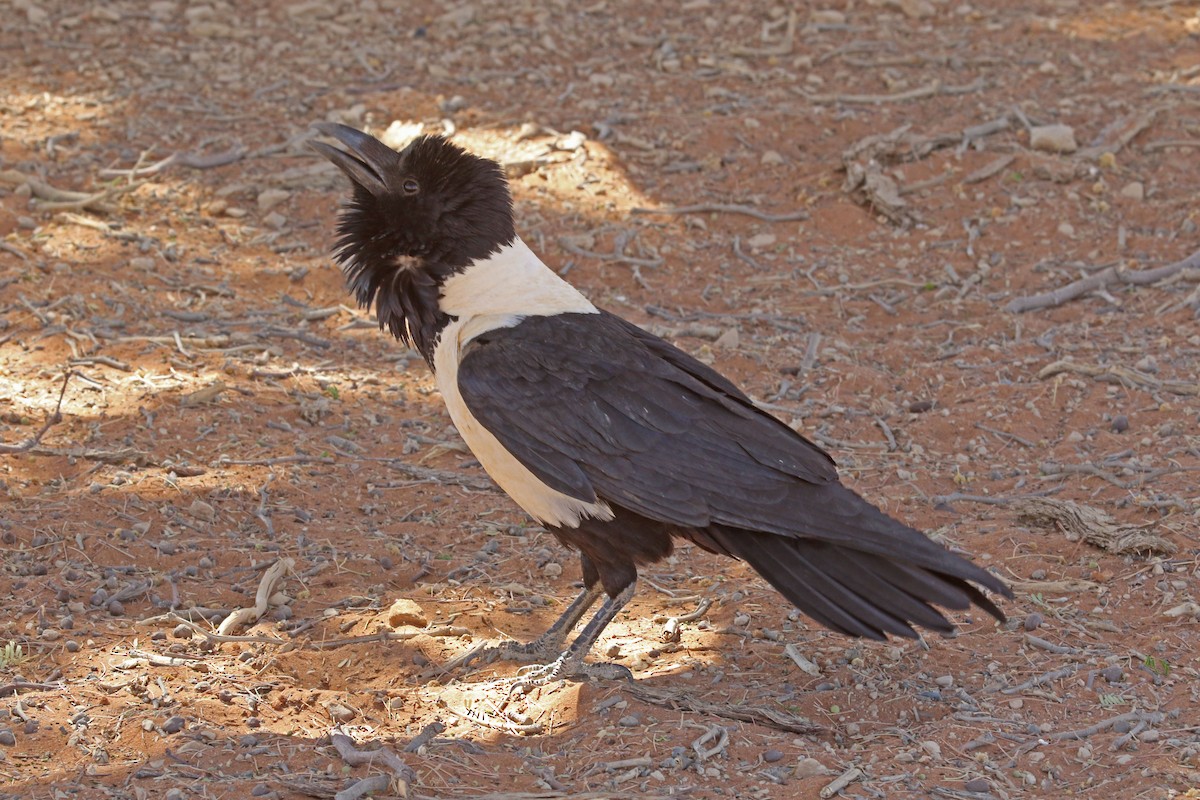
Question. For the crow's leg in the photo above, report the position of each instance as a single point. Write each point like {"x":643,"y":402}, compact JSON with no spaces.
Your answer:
{"x":570,"y":663}
{"x":544,"y":647}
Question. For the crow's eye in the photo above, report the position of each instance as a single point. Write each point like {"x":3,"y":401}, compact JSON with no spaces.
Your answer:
{"x":411,"y":186}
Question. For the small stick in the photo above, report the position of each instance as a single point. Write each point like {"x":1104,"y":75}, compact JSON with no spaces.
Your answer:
{"x":1049,"y":647}
{"x":1103,"y":725}
{"x":262,"y":598}
{"x":391,"y":636}
{"x":17,"y":686}
{"x":54,"y":418}
{"x":1151,"y":147}
{"x":725,"y":208}
{"x":737,"y":251}
{"x":887,"y":432}
{"x":220,"y":637}
{"x":427,"y":735}
{"x":369,"y":785}
{"x":841,"y":782}
{"x":1041,"y":680}
{"x":1099,"y":280}
{"x":810,"y":351}
{"x":618,"y":257}
{"x":988,"y":170}
{"x":921,"y":92}
{"x":385,"y":756}
{"x":1005,"y":435}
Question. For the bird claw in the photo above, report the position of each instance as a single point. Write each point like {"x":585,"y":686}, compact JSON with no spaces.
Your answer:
{"x":569,"y":665}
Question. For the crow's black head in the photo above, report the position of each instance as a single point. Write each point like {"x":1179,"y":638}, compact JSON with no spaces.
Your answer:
{"x":416,"y":216}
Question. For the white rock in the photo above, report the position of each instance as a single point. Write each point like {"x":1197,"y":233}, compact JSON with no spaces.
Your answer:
{"x":1067,"y":229}
{"x":828,"y":17}
{"x":728,"y":340}
{"x":771,"y":157}
{"x":1134,"y":190}
{"x":810,"y":767}
{"x":917,"y":9}
{"x":761,"y":240}
{"x":1053,"y":138}
{"x":269,"y":198}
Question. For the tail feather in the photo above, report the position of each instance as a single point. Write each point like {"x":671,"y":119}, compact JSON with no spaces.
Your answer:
{"x":863,"y":593}
{"x":815,"y":589}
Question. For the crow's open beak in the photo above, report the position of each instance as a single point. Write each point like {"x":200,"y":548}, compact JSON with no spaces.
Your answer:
{"x":368,"y":161}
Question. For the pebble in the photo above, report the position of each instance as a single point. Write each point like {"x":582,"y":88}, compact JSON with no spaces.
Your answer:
{"x":1147,"y":364}
{"x":771,"y":157}
{"x":828,"y":17}
{"x":269,"y":198}
{"x":1112,"y":674}
{"x":1074,"y":436}
{"x":31,"y":727}
{"x":945,"y":681}
{"x":1067,"y":229}
{"x":260,"y":790}
{"x":7,"y":738}
{"x":1034,"y":621}
{"x":809,"y":767}
{"x":771,"y":756}
{"x":116,"y":608}
{"x":1120,"y":423}
{"x":632,"y":721}
{"x":932,"y":748}
{"x":552,"y":569}
{"x":761,"y":240}
{"x":182,"y":631}
{"x":1134,"y":190}
{"x":979,"y":785}
{"x":1053,"y":138}
{"x":406,"y":612}
{"x":173,"y":793}
{"x":173,"y":725}
{"x":248,"y":740}
{"x":202,"y":510}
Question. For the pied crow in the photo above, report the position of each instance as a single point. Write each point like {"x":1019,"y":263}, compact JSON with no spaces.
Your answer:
{"x":615,"y":440}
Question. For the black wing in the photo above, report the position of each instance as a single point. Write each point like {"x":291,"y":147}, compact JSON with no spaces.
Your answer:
{"x":597,"y":408}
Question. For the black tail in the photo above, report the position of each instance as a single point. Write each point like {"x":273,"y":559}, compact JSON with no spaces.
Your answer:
{"x":862,"y":593}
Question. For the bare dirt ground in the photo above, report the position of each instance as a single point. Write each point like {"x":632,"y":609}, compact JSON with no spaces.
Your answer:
{"x":232,"y":431}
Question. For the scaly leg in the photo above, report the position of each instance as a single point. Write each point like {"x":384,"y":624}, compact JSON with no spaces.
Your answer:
{"x":570,"y":663}
{"x":545,"y":646}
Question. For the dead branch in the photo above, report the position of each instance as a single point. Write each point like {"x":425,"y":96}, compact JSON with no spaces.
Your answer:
{"x":988,"y":170}
{"x":1130,"y":716}
{"x":1165,"y":144}
{"x":183,"y":159}
{"x":772,"y":718}
{"x":1129,"y":378}
{"x":391,"y":636}
{"x":1102,"y":279}
{"x":384,"y":756}
{"x":53,"y":419}
{"x":262,"y":598}
{"x":1091,"y":525}
{"x":1042,"y":680}
{"x":1126,"y":136}
{"x":725,"y":208}
{"x":920,"y":93}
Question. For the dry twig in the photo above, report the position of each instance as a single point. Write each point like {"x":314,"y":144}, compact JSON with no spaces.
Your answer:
{"x":53,"y":419}
{"x":1102,"y":279}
